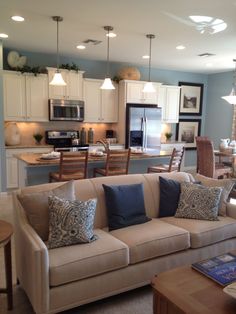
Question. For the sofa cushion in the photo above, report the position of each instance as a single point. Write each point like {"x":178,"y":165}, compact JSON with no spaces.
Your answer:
{"x":203,"y":232}
{"x":169,"y":197}
{"x":198,"y":202}
{"x":70,"y":222}
{"x":35,"y":205}
{"x":125,"y":205}
{"x":71,"y":263}
{"x":152,"y":239}
{"x":226,"y":184}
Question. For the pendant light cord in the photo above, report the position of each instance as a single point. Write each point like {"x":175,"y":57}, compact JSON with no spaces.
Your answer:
{"x":150,"y":57}
{"x":108,"y":52}
{"x":57,"y":45}
{"x":234,"y":83}
{"x":150,"y":36}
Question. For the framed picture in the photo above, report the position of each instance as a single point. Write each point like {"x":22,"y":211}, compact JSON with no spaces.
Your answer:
{"x":186,"y":131}
{"x":191,"y":96}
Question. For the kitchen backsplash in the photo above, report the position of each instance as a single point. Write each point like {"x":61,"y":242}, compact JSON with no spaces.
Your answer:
{"x":27,"y":129}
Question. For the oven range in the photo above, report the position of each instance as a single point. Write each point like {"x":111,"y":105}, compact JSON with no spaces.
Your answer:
{"x":65,"y":141}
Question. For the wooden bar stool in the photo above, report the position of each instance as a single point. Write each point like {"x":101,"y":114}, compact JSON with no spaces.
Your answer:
{"x":174,"y":164}
{"x":6,"y":232}
{"x":73,"y":166}
{"x":117,"y":163}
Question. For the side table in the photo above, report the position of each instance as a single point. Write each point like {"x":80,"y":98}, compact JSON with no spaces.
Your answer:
{"x":6,"y":231}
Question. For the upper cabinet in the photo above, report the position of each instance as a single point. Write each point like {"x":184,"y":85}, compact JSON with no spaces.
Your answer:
{"x":134,"y":93}
{"x":100,"y":105}
{"x":25,"y":96}
{"x":168,"y":100}
{"x":74,"y":85}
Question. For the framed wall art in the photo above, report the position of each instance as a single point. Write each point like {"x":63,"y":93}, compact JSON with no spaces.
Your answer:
{"x":187,"y":130}
{"x":191,"y":97}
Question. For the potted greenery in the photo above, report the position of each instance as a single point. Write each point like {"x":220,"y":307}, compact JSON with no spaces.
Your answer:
{"x":168,"y":136}
{"x":38,"y":137}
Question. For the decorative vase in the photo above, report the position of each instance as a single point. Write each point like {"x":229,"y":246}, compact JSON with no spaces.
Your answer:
{"x":129,"y":73}
{"x":224,"y":144}
{"x":12,"y":134}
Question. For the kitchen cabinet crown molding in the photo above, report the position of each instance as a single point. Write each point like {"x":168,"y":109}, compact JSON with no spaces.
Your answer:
{"x":64,"y":70}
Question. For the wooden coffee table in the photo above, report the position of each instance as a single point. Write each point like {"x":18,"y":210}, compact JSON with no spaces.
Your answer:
{"x":185,"y":290}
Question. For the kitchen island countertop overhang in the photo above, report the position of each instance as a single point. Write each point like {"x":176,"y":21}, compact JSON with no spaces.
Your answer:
{"x":33,"y":170}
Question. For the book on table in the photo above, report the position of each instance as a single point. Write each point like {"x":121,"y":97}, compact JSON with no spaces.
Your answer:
{"x":221,"y":268}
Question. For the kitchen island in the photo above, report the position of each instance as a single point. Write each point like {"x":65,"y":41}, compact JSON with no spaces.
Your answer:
{"x":32,"y":169}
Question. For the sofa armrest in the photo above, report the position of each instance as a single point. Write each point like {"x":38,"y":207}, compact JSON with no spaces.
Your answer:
{"x":231,"y":210}
{"x":32,"y":261}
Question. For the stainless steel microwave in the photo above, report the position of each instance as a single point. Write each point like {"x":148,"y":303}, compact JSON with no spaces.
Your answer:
{"x":66,"y":110}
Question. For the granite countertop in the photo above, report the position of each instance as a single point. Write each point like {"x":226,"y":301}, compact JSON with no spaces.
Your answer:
{"x":33,"y":159}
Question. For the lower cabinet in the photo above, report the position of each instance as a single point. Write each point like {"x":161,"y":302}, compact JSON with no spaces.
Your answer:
{"x":12,"y":163}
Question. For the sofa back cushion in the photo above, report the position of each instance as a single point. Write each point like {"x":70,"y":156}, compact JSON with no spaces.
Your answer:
{"x":154,"y":187}
{"x":35,"y":204}
{"x":92,"y":188}
{"x":98,"y":182}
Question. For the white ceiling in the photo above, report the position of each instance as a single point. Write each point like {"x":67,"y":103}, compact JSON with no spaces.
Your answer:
{"x":132,"y":20}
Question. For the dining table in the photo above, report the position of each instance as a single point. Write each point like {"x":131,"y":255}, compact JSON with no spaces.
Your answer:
{"x":230,"y":154}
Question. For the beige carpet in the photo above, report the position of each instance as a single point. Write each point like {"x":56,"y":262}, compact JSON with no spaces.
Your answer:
{"x":138,"y":301}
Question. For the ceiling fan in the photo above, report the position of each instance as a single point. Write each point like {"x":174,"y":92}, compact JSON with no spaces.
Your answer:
{"x":203,"y":24}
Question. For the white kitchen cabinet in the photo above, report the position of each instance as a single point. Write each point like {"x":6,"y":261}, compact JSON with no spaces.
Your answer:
{"x":25,"y":96}
{"x":14,"y":97}
{"x":37,"y":97}
{"x":74,"y":85}
{"x":100,"y":105}
{"x":12,"y":163}
{"x":135,"y":94}
{"x":168,"y":100}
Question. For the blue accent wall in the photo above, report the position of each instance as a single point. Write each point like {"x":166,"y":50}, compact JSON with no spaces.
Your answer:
{"x":219,"y":112}
{"x":97,"y":69}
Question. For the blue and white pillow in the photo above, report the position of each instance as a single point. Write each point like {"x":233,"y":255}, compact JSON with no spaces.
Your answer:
{"x":70,"y":222}
{"x":198,"y":202}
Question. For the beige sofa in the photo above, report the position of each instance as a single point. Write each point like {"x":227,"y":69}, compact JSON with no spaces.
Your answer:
{"x":123,"y":259}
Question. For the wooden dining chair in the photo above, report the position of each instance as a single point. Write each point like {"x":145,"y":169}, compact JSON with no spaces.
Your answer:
{"x":117,"y":163}
{"x":199,"y":138}
{"x":174,"y":164}
{"x":73,"y":166}
{"x":207,"y":165}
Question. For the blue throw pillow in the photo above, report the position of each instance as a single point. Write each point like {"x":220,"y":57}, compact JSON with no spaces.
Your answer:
{"x":169,"y":197}
{"x":125,"y":205}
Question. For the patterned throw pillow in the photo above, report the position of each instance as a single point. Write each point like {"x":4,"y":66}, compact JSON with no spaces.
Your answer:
{"x":225,"y":184}
{"x":70,"y":222}
{"x":198,"y":202}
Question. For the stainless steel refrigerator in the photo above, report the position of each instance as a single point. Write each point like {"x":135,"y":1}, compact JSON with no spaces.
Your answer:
{"x":143,"y":127}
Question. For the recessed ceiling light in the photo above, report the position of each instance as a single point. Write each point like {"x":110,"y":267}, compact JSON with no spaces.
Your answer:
{"x":80,"y":47}
{"x":180,"y":47}
{"x":145,"y":57}
{"x":3,"y":35}
{"x":17,"y":18}
{"x":111,"y":35}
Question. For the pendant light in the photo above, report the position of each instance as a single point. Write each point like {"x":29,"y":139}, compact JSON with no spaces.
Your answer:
{"x":57,"y":78}
{"x":231,"y":99}
{"x":107,"y":84}
{"x":148,"y":87}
